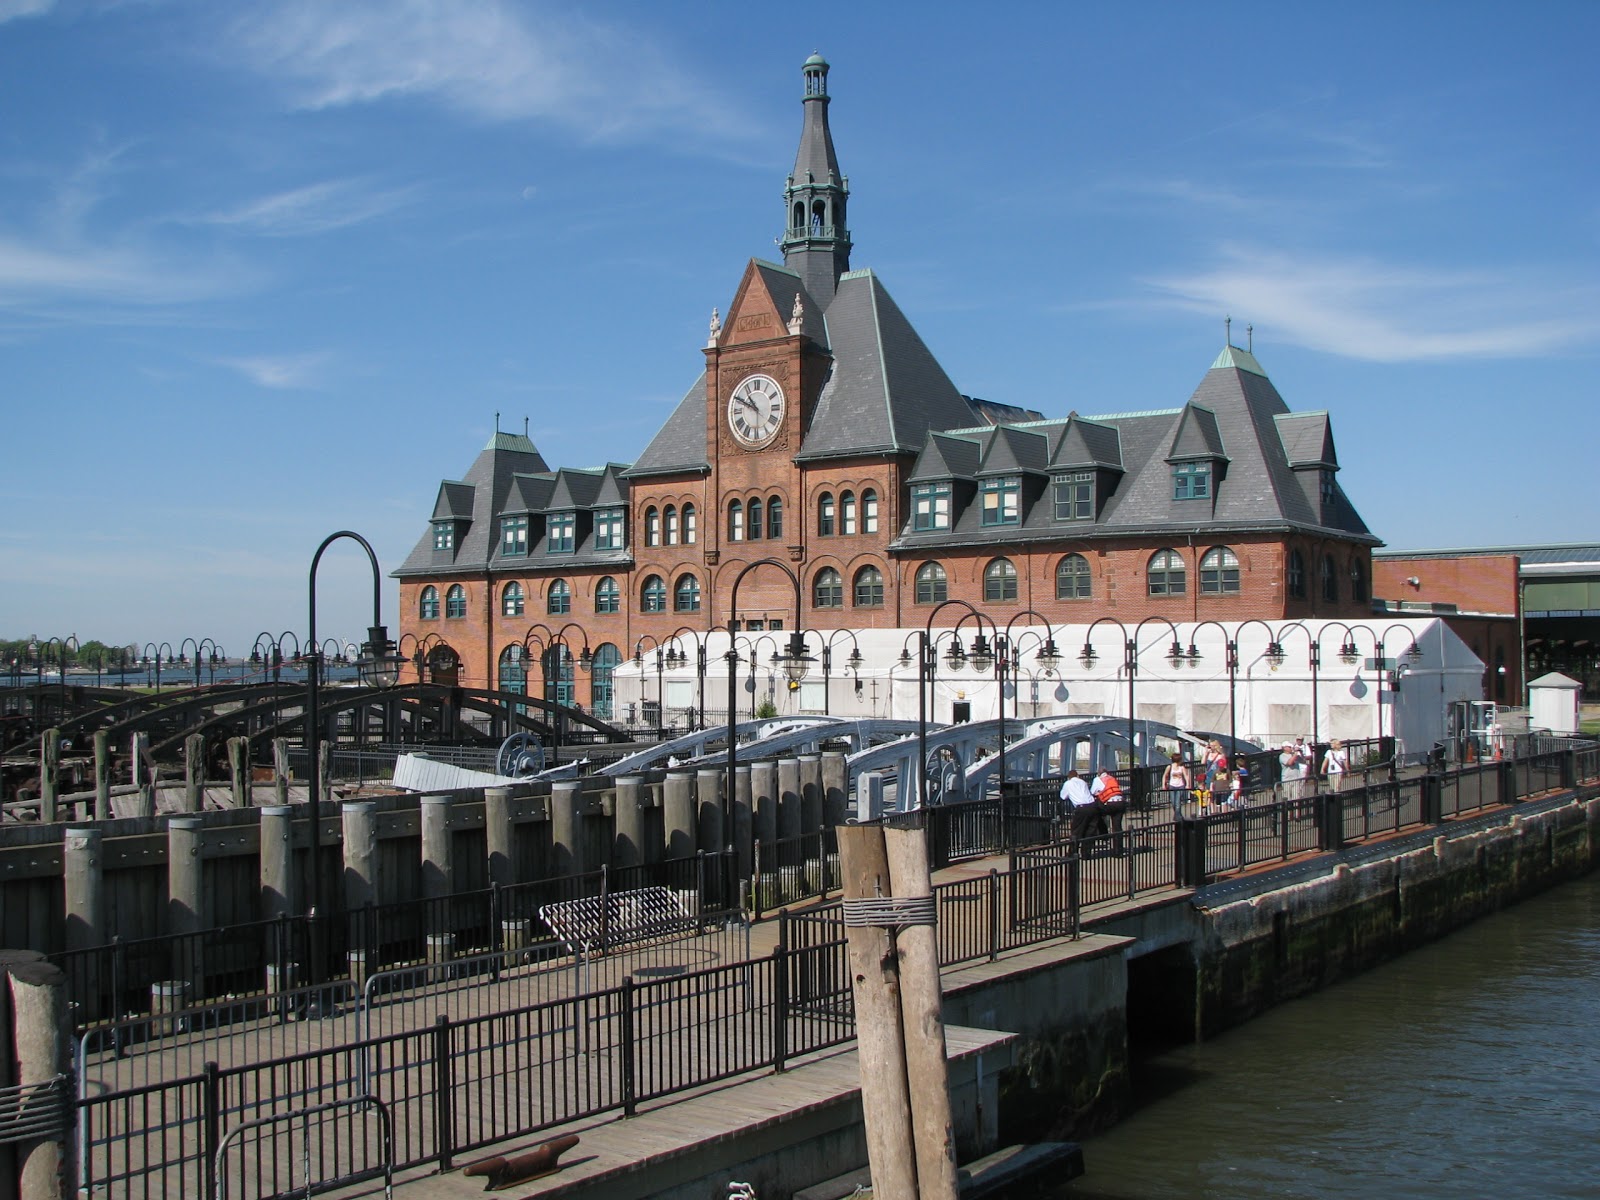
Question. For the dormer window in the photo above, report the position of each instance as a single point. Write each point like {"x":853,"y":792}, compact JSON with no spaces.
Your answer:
{"x":1327,"y":489}
{"x":930,"y":506}
{"x":1002,"y":500}
{"x":1075,"y":496}
{"x":514,"y":537}
{"x":608,"y":529}
{"x":1191,"y":481}
{"x":444,"y":535}
{"x":561,"y":533}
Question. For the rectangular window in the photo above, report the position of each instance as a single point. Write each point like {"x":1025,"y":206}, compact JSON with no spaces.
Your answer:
{"x":1002,"y":500}
{"x":1327,"y":489}
{"x":444,"y":535}
{"x":561,"y":533}
{"x":608,"y":529}
{"x":1191,"y":481}
{"x":1075,"y":497}
{"x":755,"y":626}
{"x":930,"y":506}
{"x":514,"y":537}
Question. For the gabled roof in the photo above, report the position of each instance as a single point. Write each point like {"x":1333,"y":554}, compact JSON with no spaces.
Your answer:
{"x":613,"y":492}
{"x":946,"y":457}
{"x":575,"y":488}
{"x":454,"y":502}
{"x":1197,"y":435}
{"x":528,"y":494}
{"x":783,"y":285}
{"x":886,"y":391}
{"x":1307,"y":439}
{"x":1083,"y":443}
{"x":1012,"y":451}
{"x":477,"y":498}
{"x":680,"y":444}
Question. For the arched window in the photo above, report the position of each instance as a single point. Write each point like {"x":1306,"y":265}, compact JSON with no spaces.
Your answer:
{"x":690,"y":525}
{"x":455,"y":602}
{"x":512,"y":675}
{"x":1330,"y":580}
{"x":670,"y":525}
{"x":847,"y":513}
{"x":607,"y":595}
{"x":869,"y":588}
{"x":1297,"y":575}
{"x":558,"y":599}
{"x":602,"y":689}
{"x":511,"y":600}
{"x":825,"y":514}
{"x":755,"y":519}
{"x":654,"y":597}
{"x":1166,"y":574}
{"x":652,"y":526}
{"x":686,"y":596}
{"x":1219,"y":572}
{"x":869,"y":511}
{"x":1000,"y":581}
{"x":1358,"y":581}
{"x":558,"y":670}
{"x":932,"y":585}
{"x":827,"y":589}
{"x":736,"y":521}
{"x":1073,"y":581}
{"x":775,"y":518}
{"x":428,"y":604}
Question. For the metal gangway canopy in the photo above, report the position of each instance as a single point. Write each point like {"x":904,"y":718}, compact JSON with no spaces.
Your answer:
{"x":763,"y":739}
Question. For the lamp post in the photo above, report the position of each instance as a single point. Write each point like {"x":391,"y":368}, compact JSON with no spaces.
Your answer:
{"x":852,"y":663}
{"x":796,"y":661}
{"x":1130,"y":667}
{"x":678,"y":657}
{"x":1275,"y":659}
{"x":556,"y":654}
{"x":199,"y":656}
{"x":638,"y":665}
{"x":1007,"y":660}
{"x":379,"y":666}
{"x":272,"y":659}
{"x":981,"y":658}
{"x":151,"y":648}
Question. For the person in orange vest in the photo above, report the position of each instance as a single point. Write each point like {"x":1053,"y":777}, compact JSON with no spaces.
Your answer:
{"x":1107,"y":792}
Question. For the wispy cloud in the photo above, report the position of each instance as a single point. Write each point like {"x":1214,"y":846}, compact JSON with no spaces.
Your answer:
{"x":33,"y":274}
{"x":10,"y":10}
{"x":282,"y":371}
{"x":490,"y":60}
{"x":314,"y":209}
{"x":1366,"y":309}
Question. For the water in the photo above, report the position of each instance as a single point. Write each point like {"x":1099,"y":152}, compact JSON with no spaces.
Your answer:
{"x":1470,"y":1068}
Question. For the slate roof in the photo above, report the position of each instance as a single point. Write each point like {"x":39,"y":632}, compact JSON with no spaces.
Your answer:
{"x":680,"y":444}
{"x":476,"y":500}
{"x":1233,"y":418}
{"x":886,"y":391}
{"x":1307,"y":439}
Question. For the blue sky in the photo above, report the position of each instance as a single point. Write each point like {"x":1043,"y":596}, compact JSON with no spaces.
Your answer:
{"x":268,"y":270}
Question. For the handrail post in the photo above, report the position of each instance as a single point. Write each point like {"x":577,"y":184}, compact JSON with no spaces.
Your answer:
{"x":443,"y":1085}
{"x":994,"y":914}
{"x":211,"y":1115}
{"x":630,"y":1083}
{"x":780,"y":1007}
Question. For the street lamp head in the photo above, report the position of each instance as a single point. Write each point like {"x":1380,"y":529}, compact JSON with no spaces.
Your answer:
{"x":855,"y":660}
{"x":586,"y":658}
{"x":1414,"y":652}
{"x":1348,"y":652}
{"x":378,"y":664}
{"x":1175,"y":653}
{"x":1275,"y":656}
{"x":956,"y":657}
{"x":982,"y":655}
{"x":905,"y":656}
{"x":1087,"y":655}
{"x":796,"y":662}
{"x":1049,"y":657}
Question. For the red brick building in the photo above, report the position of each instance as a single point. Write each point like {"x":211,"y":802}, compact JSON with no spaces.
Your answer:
{"x":823,"y":433}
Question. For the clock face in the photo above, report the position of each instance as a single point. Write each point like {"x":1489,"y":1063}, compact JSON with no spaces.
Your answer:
{"x":755,"y":411}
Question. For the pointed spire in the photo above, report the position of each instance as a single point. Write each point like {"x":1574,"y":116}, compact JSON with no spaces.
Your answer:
{"x":816,"y":240}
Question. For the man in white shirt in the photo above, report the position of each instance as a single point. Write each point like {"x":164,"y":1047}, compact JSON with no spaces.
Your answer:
{"x":1085,"y":816}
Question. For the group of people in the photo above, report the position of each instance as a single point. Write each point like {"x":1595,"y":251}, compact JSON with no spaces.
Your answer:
{"x":1096,"y":806}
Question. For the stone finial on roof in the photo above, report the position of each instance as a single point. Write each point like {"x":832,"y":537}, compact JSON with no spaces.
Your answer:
{"x":716,"y":329}
{"x":797,"y":315}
